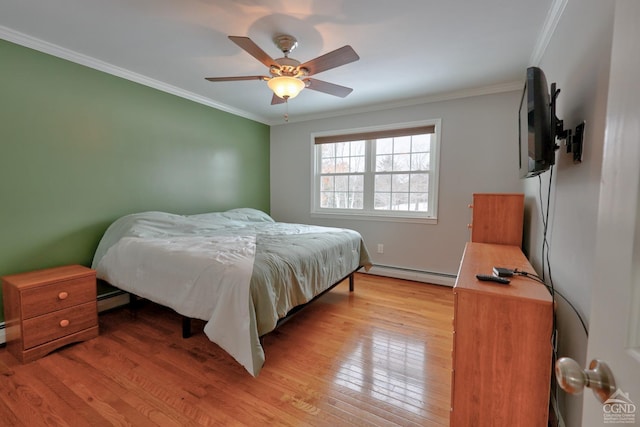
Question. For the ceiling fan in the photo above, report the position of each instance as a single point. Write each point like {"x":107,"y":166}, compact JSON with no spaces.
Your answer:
{"x":288,"y":76}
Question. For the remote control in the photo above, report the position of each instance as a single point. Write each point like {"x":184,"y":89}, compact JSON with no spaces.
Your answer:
{"x":492,"y":278}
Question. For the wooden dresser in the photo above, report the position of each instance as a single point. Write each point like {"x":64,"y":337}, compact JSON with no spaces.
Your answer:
{"x":47,"y":309}
{"x":501,"y":344}
{"x":497,"y":218}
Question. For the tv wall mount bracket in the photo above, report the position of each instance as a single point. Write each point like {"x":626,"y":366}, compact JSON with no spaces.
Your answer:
{"x":572,"y":140}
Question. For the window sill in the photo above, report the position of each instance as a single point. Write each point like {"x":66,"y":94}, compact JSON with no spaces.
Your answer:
{"x":372,"y":217}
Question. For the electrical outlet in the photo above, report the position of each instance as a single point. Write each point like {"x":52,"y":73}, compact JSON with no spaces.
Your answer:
{"x":380,"y":248}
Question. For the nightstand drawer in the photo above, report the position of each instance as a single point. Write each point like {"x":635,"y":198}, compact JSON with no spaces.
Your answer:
{"x":48,"y":309}
{"x":57,"y":296}
{"x":42,"y":329}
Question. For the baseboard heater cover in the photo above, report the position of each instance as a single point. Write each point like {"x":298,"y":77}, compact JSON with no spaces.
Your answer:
{"x":413,"y":274}
{"x":120,"y":298}
{"x":105,"y":302}
{"x":112,"y":300}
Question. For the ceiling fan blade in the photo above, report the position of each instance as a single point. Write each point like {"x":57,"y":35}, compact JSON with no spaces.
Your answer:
{"x":326,"y":87}
{"x":233,"y":79}
{"x":254,"y":50}
{"x":330,"y":60}
{"x":275,"y":100}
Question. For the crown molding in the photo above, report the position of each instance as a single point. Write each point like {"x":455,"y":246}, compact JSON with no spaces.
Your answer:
{"x":78,"y":58}
{"x":550,"y":24}
{"x":447,"y":96}
{"x":60,"y":52}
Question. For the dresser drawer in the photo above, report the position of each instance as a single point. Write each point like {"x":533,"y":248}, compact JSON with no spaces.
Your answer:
{"x":57,"y":296}
{"x":49,"y":327}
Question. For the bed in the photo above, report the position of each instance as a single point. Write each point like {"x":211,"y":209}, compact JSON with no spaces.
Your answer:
{"x":239,"y":270}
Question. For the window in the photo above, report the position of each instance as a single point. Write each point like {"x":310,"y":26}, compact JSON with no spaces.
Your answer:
{"x":384,"y":172}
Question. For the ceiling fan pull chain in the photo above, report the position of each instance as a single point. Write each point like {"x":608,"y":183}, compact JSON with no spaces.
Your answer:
{"x":286,"y":112}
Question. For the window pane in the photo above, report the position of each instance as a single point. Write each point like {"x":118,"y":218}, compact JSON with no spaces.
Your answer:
{"x":401,"y":162}
{"x":326,"y":199}
{"x":342,"y":164}
{"x":356,"y":200}
{"x":421,"y":143}
{"x":384,"y":146}
{"x":327,"y":183}
{"x":357,"y":164}
{"x":419,"y":182}
{"x":420,"y":161}
{"x":342,"y":199}
{"x":356,"y":183}
{"x":342,"y":149}
{"x":382,"y":183}
{"x":328,"y":150}
{"x":418,"y":202}
{"x":382,"y":201}
{"x":384,"y":163}
{"x":357,"y":148}
{"x":400,"y":201}
{"x":342,"y":183}
{"x":400,"y":182}
{"x":402,"y":145}
{"x":328,"y":165}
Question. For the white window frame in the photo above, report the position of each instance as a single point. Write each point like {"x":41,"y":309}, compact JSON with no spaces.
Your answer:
{"x":370,"y":214}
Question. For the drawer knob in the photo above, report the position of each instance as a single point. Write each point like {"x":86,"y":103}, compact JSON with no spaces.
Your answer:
{"x":63,"y":295}
{"x":64,"y":323}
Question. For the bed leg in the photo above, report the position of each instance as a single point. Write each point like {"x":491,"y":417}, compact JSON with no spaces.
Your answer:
{"x":186,"y":327}
{"x":351,"y":285}
{"x":133,"y":305}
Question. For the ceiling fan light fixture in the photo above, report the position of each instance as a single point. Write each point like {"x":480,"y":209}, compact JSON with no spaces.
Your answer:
{"x":286,"y":87}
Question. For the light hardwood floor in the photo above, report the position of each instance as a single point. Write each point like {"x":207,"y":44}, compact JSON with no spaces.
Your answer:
{"x":378,"y":356}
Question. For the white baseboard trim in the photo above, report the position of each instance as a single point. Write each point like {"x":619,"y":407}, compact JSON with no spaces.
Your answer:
{"x":120,"y":299}
{"x":114,"y":301}
{"x":415,"y":275}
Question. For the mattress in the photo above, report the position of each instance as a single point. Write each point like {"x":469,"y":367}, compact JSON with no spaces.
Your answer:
{"x":239,"y":270}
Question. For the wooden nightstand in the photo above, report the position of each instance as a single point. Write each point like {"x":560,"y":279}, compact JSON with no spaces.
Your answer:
{"x":47,"y":309}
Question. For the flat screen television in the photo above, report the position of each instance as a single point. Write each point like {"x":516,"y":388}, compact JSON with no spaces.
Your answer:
{"x":537,"y":124}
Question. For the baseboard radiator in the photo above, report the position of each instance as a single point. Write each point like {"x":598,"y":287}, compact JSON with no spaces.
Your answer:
{"x":105,"y":302}
{"x":120,"y":298}
{"x":413,"y":274}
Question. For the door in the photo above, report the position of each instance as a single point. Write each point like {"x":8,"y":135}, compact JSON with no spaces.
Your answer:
{"x":614,"y":331}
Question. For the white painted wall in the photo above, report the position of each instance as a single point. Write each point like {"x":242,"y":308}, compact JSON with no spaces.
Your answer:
{"x":478,"y":154}
{"x":577,"y":58}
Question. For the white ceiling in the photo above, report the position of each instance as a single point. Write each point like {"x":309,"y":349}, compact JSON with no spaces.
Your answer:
{"x":410,"y":50}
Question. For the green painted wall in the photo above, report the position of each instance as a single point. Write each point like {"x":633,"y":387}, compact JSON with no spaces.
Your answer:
{"x":79,"y":148}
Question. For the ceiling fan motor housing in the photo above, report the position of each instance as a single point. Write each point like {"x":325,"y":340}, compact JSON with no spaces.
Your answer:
{"x":285,"y":43}
{"x":288,"y":67}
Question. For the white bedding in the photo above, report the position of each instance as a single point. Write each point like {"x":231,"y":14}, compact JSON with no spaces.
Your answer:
{"x":201,"y":266}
